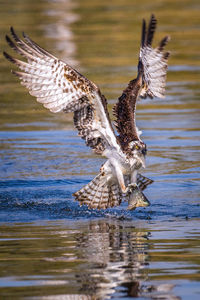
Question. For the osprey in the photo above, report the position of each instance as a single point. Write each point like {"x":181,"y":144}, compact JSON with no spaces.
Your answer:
{"x":59,"y":87}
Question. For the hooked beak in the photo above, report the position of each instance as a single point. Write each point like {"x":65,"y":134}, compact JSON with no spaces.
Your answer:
{"x":144,"y":151}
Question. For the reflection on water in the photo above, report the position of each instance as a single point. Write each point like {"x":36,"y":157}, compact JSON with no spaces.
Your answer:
{"x":150,"y":253}
{"x":59,"y":29}
{"x":117,"y":257}
{"x":99,"y":259}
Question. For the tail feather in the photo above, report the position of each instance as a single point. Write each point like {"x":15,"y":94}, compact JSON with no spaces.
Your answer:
{"x":98,"y":194}
{"x":143,"y":182}
{"x":152,"y":62}
{"x":115,"y":195}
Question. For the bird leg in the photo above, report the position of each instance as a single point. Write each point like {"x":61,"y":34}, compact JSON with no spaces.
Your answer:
{"x":120,"y":179}
{"x":133,"y":184}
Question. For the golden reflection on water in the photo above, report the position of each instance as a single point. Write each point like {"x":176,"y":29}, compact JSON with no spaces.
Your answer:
{"x":96,"y":259}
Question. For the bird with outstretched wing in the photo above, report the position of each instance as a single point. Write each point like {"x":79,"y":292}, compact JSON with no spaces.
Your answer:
{"x":60,"y":88}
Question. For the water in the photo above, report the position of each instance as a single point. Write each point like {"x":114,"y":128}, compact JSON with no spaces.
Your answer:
{"x":50,"y":248}
{"x":100,"y":259}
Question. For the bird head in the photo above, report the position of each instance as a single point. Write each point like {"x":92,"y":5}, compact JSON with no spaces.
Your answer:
{"x":138,"y":150}
{"x":138,"y":147}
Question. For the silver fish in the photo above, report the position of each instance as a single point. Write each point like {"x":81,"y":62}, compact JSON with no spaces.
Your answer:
{"x":137,"y":199}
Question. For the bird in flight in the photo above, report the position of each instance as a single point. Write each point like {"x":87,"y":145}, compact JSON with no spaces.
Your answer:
{"x":60,"y":88}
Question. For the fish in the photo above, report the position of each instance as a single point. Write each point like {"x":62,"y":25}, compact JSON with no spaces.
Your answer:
{"x":136,"y":198}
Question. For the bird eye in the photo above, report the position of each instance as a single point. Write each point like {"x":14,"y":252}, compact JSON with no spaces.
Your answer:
{"x":137,"y":147}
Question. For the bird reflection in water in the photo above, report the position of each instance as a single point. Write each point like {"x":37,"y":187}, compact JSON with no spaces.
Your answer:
{"x":116,"y":257}
{"x":116,"y":263}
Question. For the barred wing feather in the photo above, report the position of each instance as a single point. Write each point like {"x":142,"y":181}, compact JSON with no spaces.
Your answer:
{"x":150,"y":82}
{"x":61,"y":88}
{"x":152,"y":62}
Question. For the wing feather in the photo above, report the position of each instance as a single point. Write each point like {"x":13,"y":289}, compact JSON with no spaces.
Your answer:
{"x":61,"y":88}
{"x":150,"y":82}
{"x":153,"y":62}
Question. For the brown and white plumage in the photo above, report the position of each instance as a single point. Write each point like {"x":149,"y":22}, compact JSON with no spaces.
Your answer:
{"x":153,"y":61}
{"x":59,"y":87}
{"x":98,"y":194}
{"x":150,"y":82}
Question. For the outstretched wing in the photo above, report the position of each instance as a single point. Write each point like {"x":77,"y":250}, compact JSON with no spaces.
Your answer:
{"x":61,"y":88}
{"x":150,"y":82}
{"x":153,"y":62}
{"x":124,"y":111}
